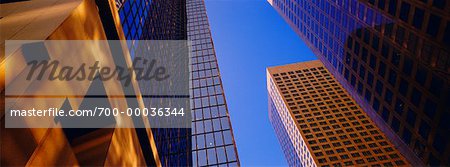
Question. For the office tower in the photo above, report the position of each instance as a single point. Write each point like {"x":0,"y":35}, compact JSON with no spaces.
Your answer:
{"x":212,"y":139}
{"x":55,"y":145}
{"x":212,"y":135}
{"x":158,"y":20}
{"x":319,"y":124}
{"x":392,"y":56}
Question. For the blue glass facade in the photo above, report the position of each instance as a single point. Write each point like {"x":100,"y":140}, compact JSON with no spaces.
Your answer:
{"x":393,"y":57}
{"x":159,"y":20}
{"x":210,"y":142}
{"x":212,"y":134}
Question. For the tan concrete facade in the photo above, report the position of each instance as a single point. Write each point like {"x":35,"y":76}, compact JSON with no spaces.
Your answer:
{"x":332,"y":130}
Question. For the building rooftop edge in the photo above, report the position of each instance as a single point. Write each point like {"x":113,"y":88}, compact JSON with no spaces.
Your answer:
{"x":294,"y":66}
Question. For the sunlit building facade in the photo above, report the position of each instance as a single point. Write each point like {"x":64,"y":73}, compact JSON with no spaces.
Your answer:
{"x":393,"y":57}
{"x":319,"y":124}
{"x":56,"y":145}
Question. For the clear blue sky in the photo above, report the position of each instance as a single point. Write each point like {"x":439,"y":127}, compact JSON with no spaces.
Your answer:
{"x":249,"y":35}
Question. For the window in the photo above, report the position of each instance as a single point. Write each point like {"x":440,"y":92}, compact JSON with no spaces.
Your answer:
{"x":375,"y":42}
{"x":392,"y":7}
{"x":411,"y":118}
{"x":379,"y":87}
{"x":322,"y":160}
{"x":407,"y":66}
{"x":436,"y":85}
{"x":399,"y":106}
{"x":329,"y":152}
{"x":392,"y":77}
{"x":385,"y":114}
{"x":369,"y":79}
{"x":421,"y":75}
{"x":202,"y":158}
{"x":212,"y":156}
{"x":381,"y":4}
{"x":227,"y":137}
{"x":362,"y":72}
{"x":360,"y":88}
{"x":404,"y":11}
{"x":406,"y":136}
{"x":403,"y":89}
{"x":382,"y":69}
{"x":346,"y":73}
{"x":221,"y":154}
{"x":412,"y":42}
{"x":345,"y":156}
{"x":355,"y":154}
{"x":416,"y":96}
{"x":334,"y":158}
{"x":396,"y":56}
{"x":230,"y":153}
{"x":400,"y":35}
{"x":366,"y":36}
{"x":395,"y":124}
{"x":376,"y":104}
{"x":368,"y":95}
{"x":430,"y":108}
{"x":424,"y":130}
{"x":373,"y":61}
{"x":388,"y":96}
{"x":356,"y":48}
{"x":385,"y":49}
{"x":433,"y":25}
{"x":353,"y":80}
{"x":447,"y":34}
{"x":418,"y":18}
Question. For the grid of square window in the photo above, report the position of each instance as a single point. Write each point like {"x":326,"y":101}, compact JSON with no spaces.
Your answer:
{"x":212,"y":136}
{"x":158,"y":20}
{"x":336,"y":130}
{"x":393,"y":55}
{"x":152,"y":20}
{"x":133,"y":14}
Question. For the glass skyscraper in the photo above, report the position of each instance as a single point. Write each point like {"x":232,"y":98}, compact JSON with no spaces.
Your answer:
{"x":212,"y":135}
{"x":212,"y":141}
{"x":158,"y":20}
{"x":209,"y":142}
{"x":393,"y":58}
